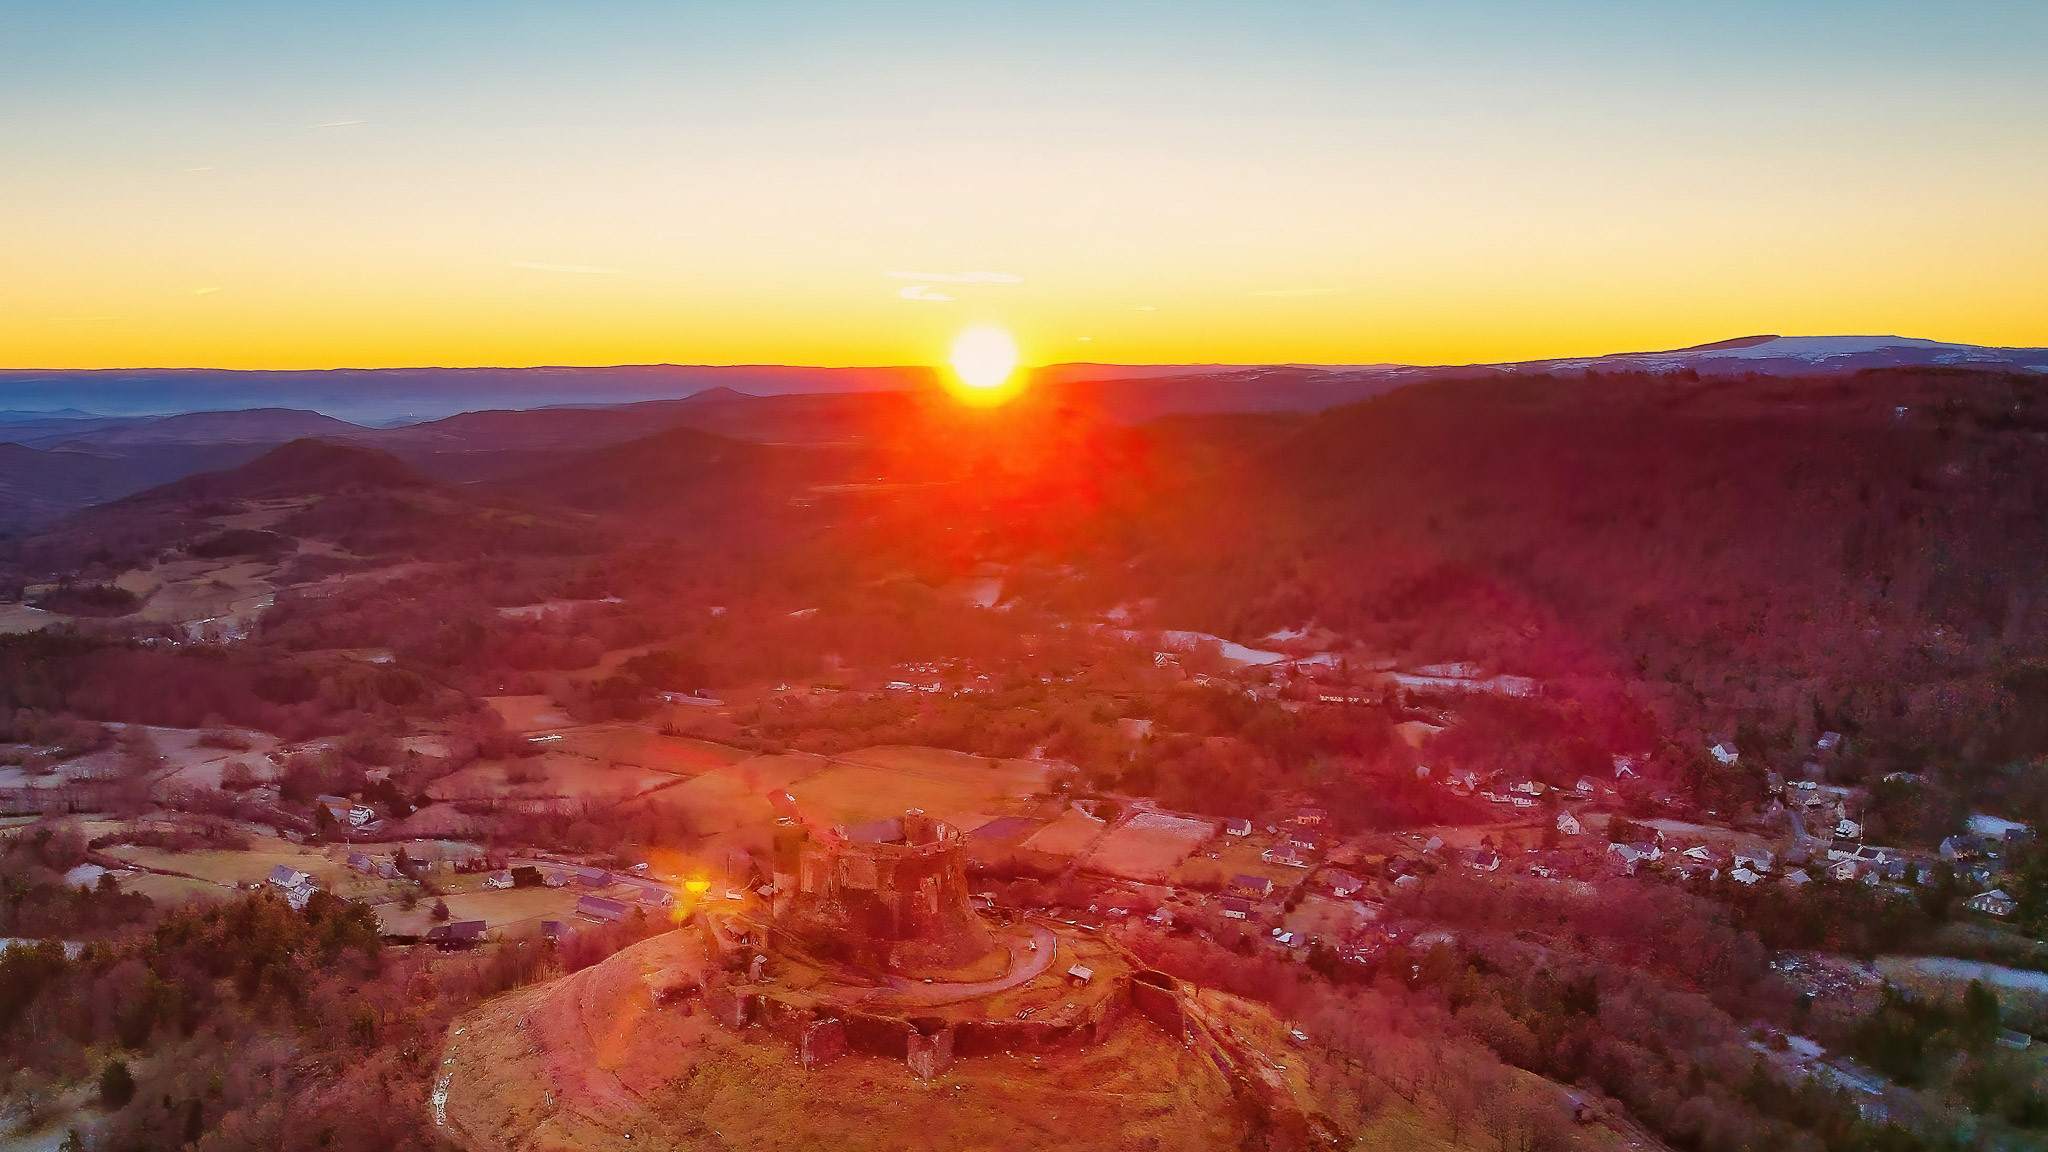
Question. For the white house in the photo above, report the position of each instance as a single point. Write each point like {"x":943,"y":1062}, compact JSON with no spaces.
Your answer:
{"x":1993,"y":903}
{"x":1725,"y":753}
{"x":1744,"y":876}
{"x":1848,"y":829}
{"x":1568,"y":824}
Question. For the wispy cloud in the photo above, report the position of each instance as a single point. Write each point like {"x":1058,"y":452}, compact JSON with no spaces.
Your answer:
{"x":205,"y":291}
{"x":921,"y":292}
{"x":332,"y":124}
{"x":960,"y":277}
{"x":1291,"y":292}
{"x":1148,"y":308}
{"x":201,"y":168}
{"x":571,"y":269}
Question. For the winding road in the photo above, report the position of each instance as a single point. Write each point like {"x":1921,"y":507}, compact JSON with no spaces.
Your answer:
{"x":1026,"y":964}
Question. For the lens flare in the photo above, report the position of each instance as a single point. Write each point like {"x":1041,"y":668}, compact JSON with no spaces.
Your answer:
{"x":984,"y":365}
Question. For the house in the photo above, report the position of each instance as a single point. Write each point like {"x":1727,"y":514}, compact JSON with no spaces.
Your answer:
{"x":1699,"y":854}
{"x":1238,"y":827}
{"x":1587,"y":787}
{"x":1848,"y":829}
{"x":1310,"y":817}
{"x":1744,"y":876}
{"x":1433,"y":844}
{"x":1869,"y":854}
{"x":286,"y":876}
{"x":1479,"y":860}
{"x":1625,"y":855}
{"x":357,"y":862}
{"x":1797,"y":877}
{"x":1235,"y":909}
{"x":555,"y":878}
{"x":1754,"y":859}
{"x":1287,"y":854}
{"x":1993,"y":903}
{"x":1342,"y":884}
{"x":1828,"y":742}
{"x":1462,"y":778}
{"x":2017,"y":1041}
{"x":1286,"y":939}
{"x":1251,"y":887}
{"x":1527,"y":787}
{"x":1568,"y":824}
{"x":360,"y":814}
{"x":553,"y":929}
{"x":1961,"y":847}
{"x":336,"y":807}
{"x":499,"y":879}
{"x":593,"y":877}
{"x":1841,"y":849}
{"x":1625,"y":767}
{"x":1081,"y":974}
{"x":1724,"y":752}
{"x":1843,"y":869}
{"x":599,"y":909}
{"x":459,"y":934}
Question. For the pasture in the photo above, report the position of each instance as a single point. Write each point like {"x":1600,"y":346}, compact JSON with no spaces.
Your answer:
{"x":1070,"y":835}
{"x":498,"y":908}
{"x":1150,"y":845}
{"x":528,"y":713}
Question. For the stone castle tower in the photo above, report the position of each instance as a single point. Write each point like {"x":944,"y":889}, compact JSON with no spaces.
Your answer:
{"x":890,"y":895}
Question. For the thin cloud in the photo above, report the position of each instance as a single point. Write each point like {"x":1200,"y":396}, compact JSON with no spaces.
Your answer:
{"x":205,"y":291}
{"x":921,"y":292}
{"x":331,"y":124}
{"x":1294,"y":292}
{"x":201,"y":168}
{"x":570,"y":269}
{"x":1147,"y":308}
{"x":960,"y":277}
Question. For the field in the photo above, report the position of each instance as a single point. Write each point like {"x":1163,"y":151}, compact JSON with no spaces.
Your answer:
{"x":170,"y":890}
{"x":528,"y":713}
{"x":1327,"y":918}
{"x":1150,"y":845}
{"x":499,"y":908}
{"x":1234,"y":856}
{"x":554,"y":774}
{"x":232,"y":867}
{"x":866,"y":785}
{"x":637,"y":746}
{"x":1070,"y":835}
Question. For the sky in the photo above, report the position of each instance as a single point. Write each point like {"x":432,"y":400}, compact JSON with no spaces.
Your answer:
{"x":266,"y":185}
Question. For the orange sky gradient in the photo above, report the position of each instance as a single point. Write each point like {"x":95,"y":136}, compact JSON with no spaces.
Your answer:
{"x":235,"y":187}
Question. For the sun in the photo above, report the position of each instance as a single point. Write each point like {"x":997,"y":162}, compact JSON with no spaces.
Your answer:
{"x":984,"y":362}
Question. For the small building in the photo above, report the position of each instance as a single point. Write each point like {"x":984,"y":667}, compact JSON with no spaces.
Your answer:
{"x":1081,"y":974}
{"x":1342,"y":884}
{"x":1286,"y":854}
{"x":357,"y":862}
{"x":1238,"y":827}
{"x":1993,"y":903}
{"x":1755,"y":859}
{"x":593,"y":877}
{"x":1843,"y":869}
{"x":1744,"y":876}
{"x":2017,"y":1041}
{"x":1848,"y":829}
{"x":1725,"y":752}
{"x":1961,"y":847}
{"x":1797,"y":878}
{"x":460,"y":934}
{"x":601,"y":910}
{"x":499,"y":879}
{"x":1236,"y":909}
{"x":1828,"y":742}
{"x":554,"y":929}
{"x":1568,"y":824}
{"x":1624,"y":767}
{"x":1310,"y":817}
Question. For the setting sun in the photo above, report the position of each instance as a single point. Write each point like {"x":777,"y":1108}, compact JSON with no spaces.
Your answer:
{"x":984,"y":359}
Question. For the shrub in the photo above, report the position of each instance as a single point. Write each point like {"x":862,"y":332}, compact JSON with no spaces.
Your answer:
{"x":117,"y":1086}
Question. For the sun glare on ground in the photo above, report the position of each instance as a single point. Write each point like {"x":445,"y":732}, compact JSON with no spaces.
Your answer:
{"x":984,"y":363}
